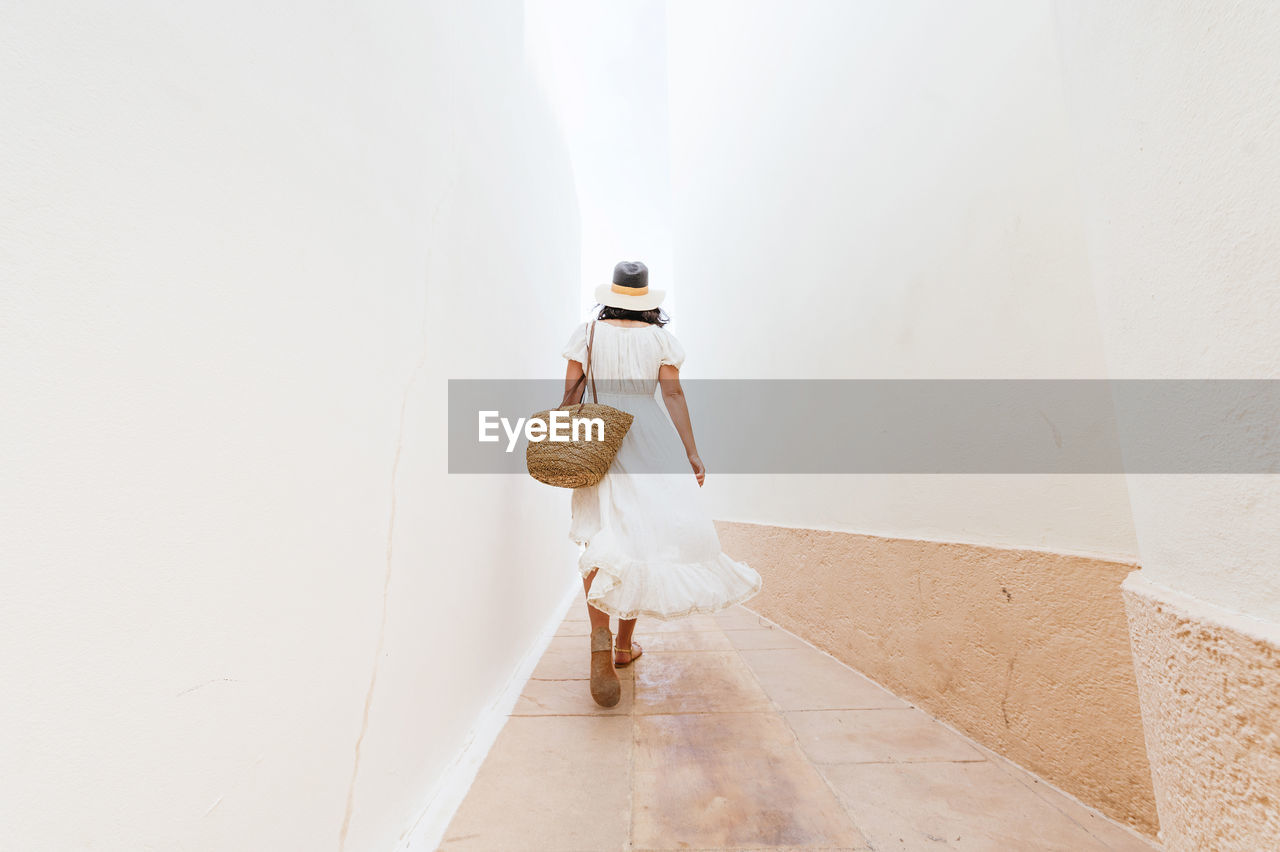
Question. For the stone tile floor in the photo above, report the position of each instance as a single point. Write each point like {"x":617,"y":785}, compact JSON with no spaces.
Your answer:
{"x":734,"y":734}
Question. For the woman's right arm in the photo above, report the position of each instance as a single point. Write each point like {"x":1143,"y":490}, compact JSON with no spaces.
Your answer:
{"x":673,"y":397}
{"x":572,"y":376}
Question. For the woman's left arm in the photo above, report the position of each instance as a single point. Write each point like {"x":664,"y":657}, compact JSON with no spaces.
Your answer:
{"x":673,"y":396}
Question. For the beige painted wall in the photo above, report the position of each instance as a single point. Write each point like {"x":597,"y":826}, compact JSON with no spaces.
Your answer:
{"x":244,"y":247}
{"x":1027,"y":651}
{"x":885,"y":191}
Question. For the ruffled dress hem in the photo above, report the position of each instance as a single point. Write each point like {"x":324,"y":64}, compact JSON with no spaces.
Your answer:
{"x":645,"y":579}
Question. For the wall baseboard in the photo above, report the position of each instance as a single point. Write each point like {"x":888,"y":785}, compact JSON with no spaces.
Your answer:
{"x":429,"y":827}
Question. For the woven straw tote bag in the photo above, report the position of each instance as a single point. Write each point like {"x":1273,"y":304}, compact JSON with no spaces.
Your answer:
{"x":583,"y":460}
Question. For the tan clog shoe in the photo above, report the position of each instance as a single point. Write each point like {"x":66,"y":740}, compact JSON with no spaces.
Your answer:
{"x":605,"y":688}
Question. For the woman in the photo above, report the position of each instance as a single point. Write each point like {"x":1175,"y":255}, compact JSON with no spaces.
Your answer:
{"x":649,"y":546}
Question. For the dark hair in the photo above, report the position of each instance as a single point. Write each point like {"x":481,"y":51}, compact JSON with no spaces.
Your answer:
{"x":653,"y":316}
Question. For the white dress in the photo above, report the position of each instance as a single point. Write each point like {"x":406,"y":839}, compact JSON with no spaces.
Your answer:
{"x":648,"y":533}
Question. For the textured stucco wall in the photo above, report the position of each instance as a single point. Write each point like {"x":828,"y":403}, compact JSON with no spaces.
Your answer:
{"x":1173,"y":119}
{"x":242,"y":248}
{"x":1027,"y":651}
{"x":1210,"y":683}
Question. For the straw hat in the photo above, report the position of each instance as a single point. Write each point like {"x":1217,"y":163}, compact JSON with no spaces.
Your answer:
{"x":630,"y":288}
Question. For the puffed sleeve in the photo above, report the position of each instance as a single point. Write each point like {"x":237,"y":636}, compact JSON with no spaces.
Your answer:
{"x":672,"y":351}
{"x":576,"y":348}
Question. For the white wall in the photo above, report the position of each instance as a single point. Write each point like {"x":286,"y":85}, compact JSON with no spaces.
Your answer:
{"x":1175,"y":112}
{"x":242,"y":605}
{"x":885,"y":190}
{"x":603,"y":68}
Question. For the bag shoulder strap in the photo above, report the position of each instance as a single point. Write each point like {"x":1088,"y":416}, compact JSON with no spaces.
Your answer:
{"x":590,"y":372}
{"x":586,"y":371}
